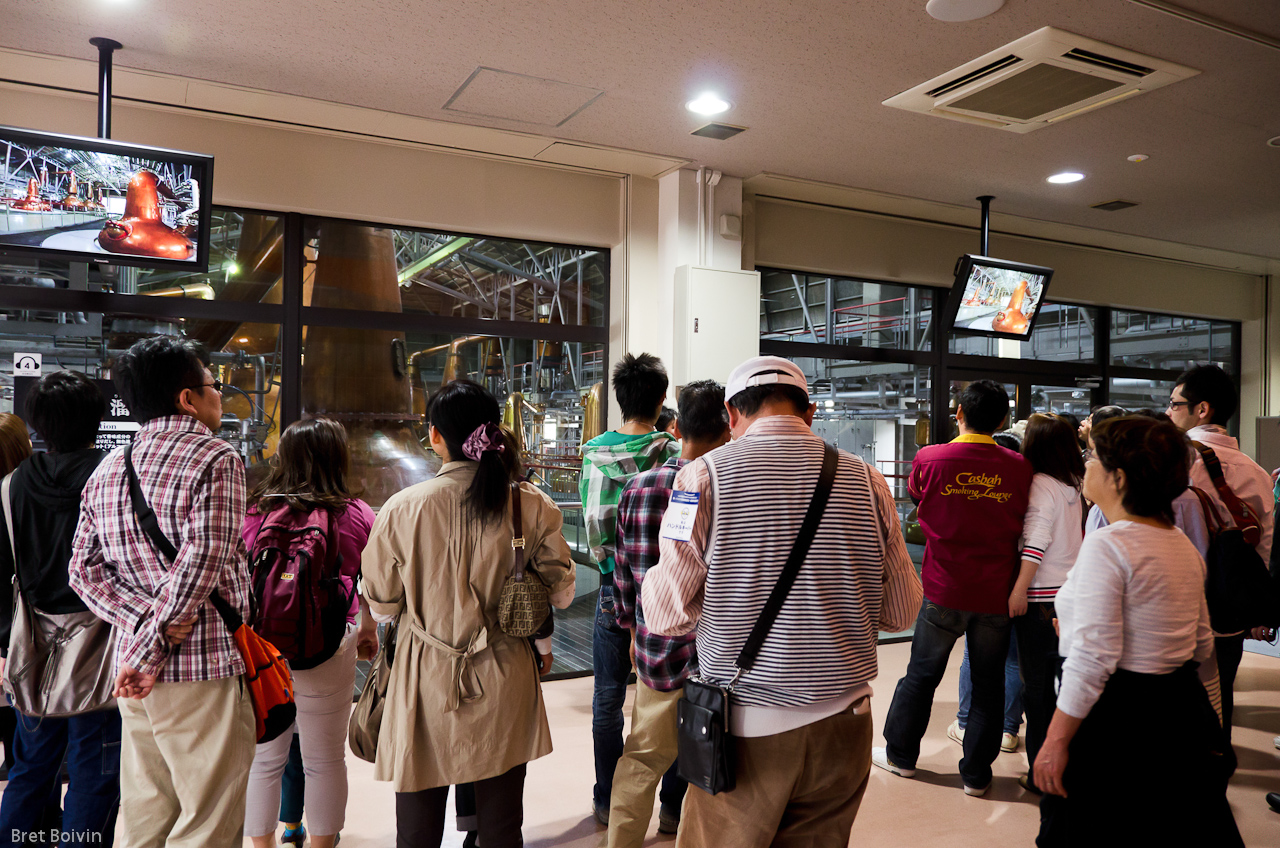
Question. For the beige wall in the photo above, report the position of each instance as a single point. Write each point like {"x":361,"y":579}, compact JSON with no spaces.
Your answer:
{"x":269,"y":167}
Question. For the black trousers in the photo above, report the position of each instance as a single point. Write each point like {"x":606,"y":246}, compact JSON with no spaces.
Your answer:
{"x":1039,"y":665}
{"x":421,"y":816}
{"x":1230,"y":649}
{"x":1148,"y":766}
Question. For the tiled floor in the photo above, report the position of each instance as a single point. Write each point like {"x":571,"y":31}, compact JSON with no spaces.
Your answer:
{"x":929,"y":810}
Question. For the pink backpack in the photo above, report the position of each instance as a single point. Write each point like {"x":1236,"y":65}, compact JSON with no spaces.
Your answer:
{"x":301,"y":602}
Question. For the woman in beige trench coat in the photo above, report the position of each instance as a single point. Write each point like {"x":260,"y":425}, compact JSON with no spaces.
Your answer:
{"x":463,"y":703}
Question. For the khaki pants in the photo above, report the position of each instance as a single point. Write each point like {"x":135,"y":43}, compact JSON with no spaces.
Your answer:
{"x":799,"y":789}
{"x":649,"y":751}
{"x":185,"y":765}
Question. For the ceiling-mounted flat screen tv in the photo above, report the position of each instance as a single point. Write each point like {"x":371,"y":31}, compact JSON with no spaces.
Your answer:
{"x":995,"y":297}
{"x":95,"y":200}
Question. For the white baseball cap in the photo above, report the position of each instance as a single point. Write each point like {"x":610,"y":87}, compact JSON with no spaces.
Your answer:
{"x":764,"y":371}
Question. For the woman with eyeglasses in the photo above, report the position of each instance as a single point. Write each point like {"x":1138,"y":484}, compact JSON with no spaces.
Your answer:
{"x":1135,"y":754}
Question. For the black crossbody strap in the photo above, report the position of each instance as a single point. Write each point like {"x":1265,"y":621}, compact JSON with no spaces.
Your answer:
{"x":799,"y":550}
{"x":147,"y":520}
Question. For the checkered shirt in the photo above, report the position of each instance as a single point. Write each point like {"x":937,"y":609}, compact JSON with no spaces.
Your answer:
{"x":662,"y":662}
{"x":195,"y":484}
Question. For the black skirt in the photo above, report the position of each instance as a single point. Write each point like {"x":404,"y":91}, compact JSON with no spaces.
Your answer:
{"x":1148,"y":766}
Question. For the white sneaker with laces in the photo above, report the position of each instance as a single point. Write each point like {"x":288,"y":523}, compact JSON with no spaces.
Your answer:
{"x":880,"y":757}
{"x":955,"y":732}
{"x":1009,"y":743}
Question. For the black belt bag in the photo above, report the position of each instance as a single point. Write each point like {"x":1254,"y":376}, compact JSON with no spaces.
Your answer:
{"x":707,"y":757}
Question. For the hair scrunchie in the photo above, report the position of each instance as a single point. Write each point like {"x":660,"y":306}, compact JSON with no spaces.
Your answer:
{"x":487,"y":437}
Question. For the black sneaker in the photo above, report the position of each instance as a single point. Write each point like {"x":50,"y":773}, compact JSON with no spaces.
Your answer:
{"x":601,"y":814}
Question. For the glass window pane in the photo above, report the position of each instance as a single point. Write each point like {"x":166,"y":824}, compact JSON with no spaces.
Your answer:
{"x":377,"y":383}
{"x":1064,"y":333}
{"x":852,"y":312}
{"x":248,"y":363}
{"x":355,"y":266}
{"x":1133,"y":394}
{"x":1062,"y":400}
{"x":1149,"y":340}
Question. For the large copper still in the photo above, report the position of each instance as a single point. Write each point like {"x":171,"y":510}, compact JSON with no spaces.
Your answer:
{"x":359,"y":377}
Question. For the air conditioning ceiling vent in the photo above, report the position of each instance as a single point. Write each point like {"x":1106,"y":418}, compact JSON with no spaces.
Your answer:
{"x":1047,"y":76}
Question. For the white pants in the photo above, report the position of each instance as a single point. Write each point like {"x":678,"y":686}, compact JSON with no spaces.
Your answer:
{"x":323,"y":695}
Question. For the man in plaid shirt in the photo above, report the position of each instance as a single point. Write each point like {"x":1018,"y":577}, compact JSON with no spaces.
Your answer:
{"x":188,"y":725}
{"x":662,"y":662}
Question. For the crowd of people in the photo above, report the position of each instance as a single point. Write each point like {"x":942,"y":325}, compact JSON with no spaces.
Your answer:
{"x":1072,"y":562}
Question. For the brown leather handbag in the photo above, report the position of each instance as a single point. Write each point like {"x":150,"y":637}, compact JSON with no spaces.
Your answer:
{"x":366,"y":719}
{"x":525,"y":602}
{"x":60,"y":664}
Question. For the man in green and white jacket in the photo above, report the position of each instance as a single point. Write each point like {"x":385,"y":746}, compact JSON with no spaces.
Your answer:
{"x":608,"y":462}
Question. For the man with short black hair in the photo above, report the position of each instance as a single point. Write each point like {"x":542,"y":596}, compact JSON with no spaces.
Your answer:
{"x":971,"y":496}
{"x":662,"y":663}
{"x":608,"y":462}
{"x":1201,"y":403}
{"x":65,"y":409}
{"x":189,"y":729}
{"x":801,"y":716}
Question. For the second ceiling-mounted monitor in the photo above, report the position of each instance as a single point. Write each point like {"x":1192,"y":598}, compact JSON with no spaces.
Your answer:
{"x":996,"y":297}
{"x":94,"y":200}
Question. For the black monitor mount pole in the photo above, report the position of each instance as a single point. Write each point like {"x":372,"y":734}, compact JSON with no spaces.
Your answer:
{"x":106,"y":47}
{"x":985,"y":200}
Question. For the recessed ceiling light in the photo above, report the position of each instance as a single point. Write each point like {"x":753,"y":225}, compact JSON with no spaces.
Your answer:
{"x":1139,"y":157}
{"x":1066,"y":177}
{"x":1273,"y":142}
{"x":708,"y":104}
{"x":955,"y":11}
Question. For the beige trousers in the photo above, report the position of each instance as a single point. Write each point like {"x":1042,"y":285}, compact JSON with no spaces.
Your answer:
{"x":799,"y":789}
{"x":649,"y":751}
{"x":185,"y":763}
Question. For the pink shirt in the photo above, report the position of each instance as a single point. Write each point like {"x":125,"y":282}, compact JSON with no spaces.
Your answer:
{"x":972,"y":496}
{"x":352,"y":525}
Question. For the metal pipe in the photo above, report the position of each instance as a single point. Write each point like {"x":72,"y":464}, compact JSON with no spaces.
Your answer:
{"x":203,"y":291}
{"x":985,"y":200}
{"x":106,"y":47}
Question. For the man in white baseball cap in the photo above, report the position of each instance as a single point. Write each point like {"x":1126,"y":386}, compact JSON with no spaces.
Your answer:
{"x":801,"y":714}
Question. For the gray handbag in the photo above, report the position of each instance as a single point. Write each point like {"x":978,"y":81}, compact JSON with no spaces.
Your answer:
{"x":60,"y":664}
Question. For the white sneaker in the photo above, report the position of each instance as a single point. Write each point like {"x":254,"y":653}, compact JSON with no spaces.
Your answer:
{"x":1276,"y":741}
{"x":955,"y":732}
{"x":880,"y":757}
{"x":975,"y":792}
{"x":1009,"y":743}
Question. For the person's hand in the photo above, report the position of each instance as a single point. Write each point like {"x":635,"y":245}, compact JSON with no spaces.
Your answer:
{"x":1050,"y":763}
{"x":1057,"y":631}
{"x":178,"y":632}
{"x":2,"y":662}
{"x":1262,"y":634}
{"x":633,"y":647}
{"x":544,"y":664}
{"x":131,"y":683}
{"x":1017,"y":602}
{"x":367,"y":639}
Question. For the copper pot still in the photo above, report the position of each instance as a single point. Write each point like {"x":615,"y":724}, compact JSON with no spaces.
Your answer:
{"x":359,"y":377}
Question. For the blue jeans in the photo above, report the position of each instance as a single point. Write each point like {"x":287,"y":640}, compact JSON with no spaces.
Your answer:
{"x":292,"y":784}
{"x":611,"y":663}
{"x":90,"y":743}
{"x":937,"y":629}
{"x":1012,"y":690}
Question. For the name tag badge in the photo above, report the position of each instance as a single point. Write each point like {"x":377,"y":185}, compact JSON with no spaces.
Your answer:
{"x":677,"y":522}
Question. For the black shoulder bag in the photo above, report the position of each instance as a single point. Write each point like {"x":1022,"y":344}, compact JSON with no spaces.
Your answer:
{"x":707,"y":758}
{"x":1238,"y":588}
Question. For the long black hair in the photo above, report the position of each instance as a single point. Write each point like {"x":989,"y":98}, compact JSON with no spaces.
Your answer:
{"x":457,"y":411}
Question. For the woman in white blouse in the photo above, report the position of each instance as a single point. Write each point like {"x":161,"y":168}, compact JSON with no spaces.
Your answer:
{"x":1134,"y":753}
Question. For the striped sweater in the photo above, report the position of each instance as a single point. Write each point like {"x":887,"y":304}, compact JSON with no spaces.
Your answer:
{"x":857,"y":578}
